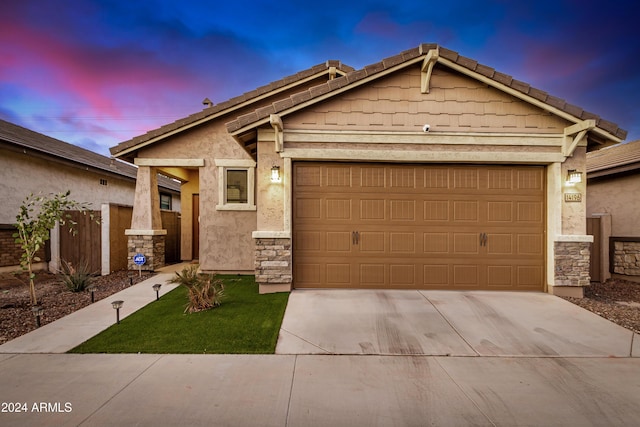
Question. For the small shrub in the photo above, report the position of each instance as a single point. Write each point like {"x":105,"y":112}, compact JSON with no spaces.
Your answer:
{"x":204,"y":291}
{"x":78,"y":278}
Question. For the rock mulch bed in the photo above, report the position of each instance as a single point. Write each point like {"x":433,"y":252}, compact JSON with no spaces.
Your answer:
{"x":16,"y":317}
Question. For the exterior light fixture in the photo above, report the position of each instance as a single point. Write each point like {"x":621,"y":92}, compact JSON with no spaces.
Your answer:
{"x":92,"y":288}
{"x":37,"y":311}
{"x":117,"y":305}
{"x":130,"y":274}
{"x":275,"y":174}
{"x":574,"y":177}
{"x":156,"y":288}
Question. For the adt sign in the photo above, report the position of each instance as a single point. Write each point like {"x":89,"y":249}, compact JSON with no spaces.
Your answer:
{"x":139,"y":259}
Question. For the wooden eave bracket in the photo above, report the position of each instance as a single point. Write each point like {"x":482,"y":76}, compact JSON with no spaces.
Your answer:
{"x":580,"y":131}
{"x":427,"y":68}
{"x":276,"y":123}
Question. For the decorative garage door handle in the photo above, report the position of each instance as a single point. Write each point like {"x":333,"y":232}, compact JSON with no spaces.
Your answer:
{"x":483,"y":239}
{"x":355,"y":237}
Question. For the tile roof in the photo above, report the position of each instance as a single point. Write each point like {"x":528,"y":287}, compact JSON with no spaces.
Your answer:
{"x":615,"y":159}
{"x":26,"y":139}
{"x":233,"y":102}
{"x":412,"y":54}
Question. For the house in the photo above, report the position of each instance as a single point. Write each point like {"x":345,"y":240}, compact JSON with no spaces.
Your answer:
{"x":613,"y":188}
{"x":34,"y":163}
{"x":425,"y":170}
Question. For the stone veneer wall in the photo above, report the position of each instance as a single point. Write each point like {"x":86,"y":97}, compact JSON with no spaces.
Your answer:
{"x":152,"y":247}
{"x":626,"y":258}
{"x":572,"y":263}
{"x":273,"y":261}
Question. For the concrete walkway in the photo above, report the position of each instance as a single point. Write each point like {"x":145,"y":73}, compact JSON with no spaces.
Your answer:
{"x":511,"y":362}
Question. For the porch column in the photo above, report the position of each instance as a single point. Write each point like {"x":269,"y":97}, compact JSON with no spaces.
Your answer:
{"x":146,"y":235}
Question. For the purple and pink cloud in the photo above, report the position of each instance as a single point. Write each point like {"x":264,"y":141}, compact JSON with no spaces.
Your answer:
{"x":95,"y":73}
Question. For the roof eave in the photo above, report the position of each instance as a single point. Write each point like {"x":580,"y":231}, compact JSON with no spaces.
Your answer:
{"x":130,"y":150}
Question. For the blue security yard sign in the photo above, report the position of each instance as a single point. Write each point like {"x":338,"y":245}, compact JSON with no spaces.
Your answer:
{"x":139,"y":259}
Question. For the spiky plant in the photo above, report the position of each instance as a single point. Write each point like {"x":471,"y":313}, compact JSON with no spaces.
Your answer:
{"x":204,"y":290}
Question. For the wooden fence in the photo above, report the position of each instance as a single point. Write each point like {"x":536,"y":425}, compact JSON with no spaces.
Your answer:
{"x":87,"y":244}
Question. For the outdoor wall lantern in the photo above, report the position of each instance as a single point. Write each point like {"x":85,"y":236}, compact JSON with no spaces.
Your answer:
{"x":275,"y":174}
{"x":156,"y":288}
{"x":574,"y":177}
{"x":37,"y":311}
{"x":117,"y":305}
{"x":92,"y":288}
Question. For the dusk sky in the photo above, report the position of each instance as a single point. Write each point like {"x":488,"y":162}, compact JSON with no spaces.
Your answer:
{"x":98,"y":72}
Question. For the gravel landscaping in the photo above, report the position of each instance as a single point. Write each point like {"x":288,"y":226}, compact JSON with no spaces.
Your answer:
{"x":57,"y":301}
{"x":616,"y":300}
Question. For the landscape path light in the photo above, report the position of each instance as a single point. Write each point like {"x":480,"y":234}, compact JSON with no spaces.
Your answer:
{"x":156,"y":288}
{"x":37,"y":311}
{"x":117,"y":305}
{"x":92,"y":288}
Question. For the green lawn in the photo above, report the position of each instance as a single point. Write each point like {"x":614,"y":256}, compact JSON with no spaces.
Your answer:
{"x":245,"y":323}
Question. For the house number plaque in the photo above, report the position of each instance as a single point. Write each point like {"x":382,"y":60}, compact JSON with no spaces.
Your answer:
{"x":572,"y":197}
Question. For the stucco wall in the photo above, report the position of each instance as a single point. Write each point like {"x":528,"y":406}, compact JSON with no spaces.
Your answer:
{"x":21,"y":175}
{"x":618,"y":197}
{"x":225,"y":236}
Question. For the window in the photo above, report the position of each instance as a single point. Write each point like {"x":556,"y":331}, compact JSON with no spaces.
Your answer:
{"x":165,"y":201}
{"x":236,"y":184}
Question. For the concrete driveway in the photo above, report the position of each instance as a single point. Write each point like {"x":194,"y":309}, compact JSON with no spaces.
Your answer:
{"x":447,"y":323}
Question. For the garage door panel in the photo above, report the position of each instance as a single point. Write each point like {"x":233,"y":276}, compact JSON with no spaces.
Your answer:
{"x":499,"y":244}
{"x":338,"y":241}
{"x":308,"y":208}
{"x":402,"y":210}
{"x":436,"y":243}
{"x":466,"y":276}
{"x":372,"y":242}
{"x":466,"y":211}
{"x":436,"y":276}
{"x":436,"y":210}
{"x":373,"y":275}
{"x":419,"y":226}
{"x":402,"y":275}
{"x":466,"y":243}
{"x":338,"y":209}
{"x":404,"y":243}
{"x":372,"y":209}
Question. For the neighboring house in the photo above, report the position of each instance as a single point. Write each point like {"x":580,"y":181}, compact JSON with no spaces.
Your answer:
{"x":426,"y":170}
{"x":613,"y":196}
{"x":34,"y":163}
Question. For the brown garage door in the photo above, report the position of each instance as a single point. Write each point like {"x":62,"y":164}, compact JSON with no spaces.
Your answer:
{"x":418,"y":226}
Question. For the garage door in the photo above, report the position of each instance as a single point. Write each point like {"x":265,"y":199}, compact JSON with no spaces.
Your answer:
{"x":418,"y":226}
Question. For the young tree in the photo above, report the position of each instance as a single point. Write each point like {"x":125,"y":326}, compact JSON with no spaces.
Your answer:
{"x":38,"y":215}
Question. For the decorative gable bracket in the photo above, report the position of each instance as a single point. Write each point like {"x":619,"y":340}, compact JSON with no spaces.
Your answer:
{"x":427,"y":68}
{"x":580,"y":130}
{"x":276,"y":123}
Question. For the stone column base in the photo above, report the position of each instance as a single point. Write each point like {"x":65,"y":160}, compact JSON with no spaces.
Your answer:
{"x":152,"y":246}
{"x":273,"y":264}
{"x":572,"y":260}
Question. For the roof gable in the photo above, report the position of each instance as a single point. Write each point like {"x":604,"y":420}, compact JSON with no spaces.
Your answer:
{"x":426,"y":54}
{"x":330,"y":68}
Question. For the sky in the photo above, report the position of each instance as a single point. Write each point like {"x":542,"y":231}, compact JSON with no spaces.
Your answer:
{"x":98,"y":72}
